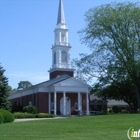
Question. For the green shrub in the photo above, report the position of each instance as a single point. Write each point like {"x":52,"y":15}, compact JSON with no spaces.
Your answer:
{"x":1,"y":118}
{"x":116,"y":109}
{"x":44,"y":115}
{"x":20,"y":115}
{"x":30,"y":109}
{"x":7,"y":116}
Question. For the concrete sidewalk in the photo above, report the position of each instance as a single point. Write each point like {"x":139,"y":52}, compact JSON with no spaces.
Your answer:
{"x":35,"y":119}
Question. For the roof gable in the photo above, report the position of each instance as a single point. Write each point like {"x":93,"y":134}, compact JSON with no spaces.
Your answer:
{"x":73,"y":82}
{"x":55,"y":80}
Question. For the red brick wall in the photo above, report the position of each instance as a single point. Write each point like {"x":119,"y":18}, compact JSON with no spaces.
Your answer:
{"x":24,"y":100}
{"x":57,"y":73}
{"x":41,"y":100}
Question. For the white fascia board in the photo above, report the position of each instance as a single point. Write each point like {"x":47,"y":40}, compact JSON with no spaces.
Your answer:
{"x":71,"y":89}
{"x":43,"y":89}
{"x":73,"y":82}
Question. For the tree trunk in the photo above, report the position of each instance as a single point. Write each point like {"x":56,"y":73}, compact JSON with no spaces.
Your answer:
{"x":138,"y":96}
{"x":137,"y":90}
{"x":133,"y":108}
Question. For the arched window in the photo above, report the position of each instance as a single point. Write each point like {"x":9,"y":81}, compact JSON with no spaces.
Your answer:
{"x":54,"y":58}
{"x":64,"y":57}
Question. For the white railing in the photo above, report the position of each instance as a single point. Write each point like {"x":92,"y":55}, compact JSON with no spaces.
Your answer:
{"x":66,"y":66}
{"x":62,"y":43}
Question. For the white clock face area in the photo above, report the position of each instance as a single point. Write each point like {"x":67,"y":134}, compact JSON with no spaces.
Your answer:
{"x":63,"y":57}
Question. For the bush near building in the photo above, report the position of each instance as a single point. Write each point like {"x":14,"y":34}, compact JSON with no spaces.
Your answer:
{"x":30,"y":109}
{"x":20,"y":115}
{"x":6,"y":116}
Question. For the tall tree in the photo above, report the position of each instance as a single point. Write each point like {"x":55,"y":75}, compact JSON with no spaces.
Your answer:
{"x":112,"y":32}
{"x":23,"y":85}
{"x":4,"y":91}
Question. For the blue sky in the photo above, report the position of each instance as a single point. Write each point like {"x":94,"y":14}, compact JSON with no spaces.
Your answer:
{"x":27,"y":34}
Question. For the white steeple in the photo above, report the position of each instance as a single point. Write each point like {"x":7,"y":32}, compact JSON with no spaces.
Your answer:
{"x":61,"y":63}
{"x":61,"y":15}
{"x":61,"y":47}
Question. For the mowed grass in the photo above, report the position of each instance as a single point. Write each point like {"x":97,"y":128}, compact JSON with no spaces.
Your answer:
{"x":105,"y":127}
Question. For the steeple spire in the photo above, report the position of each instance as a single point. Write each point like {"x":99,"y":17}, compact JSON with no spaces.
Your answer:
{"x":61,"y":15}
{"x":61,"y":61}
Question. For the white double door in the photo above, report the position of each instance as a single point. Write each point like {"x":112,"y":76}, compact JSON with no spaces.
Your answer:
{"x":67,"y":106}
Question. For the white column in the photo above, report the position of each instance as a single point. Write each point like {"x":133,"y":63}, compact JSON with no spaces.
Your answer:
{"x":64,"y":97}
{"x":60,"y":39}
{"x":55,"y":102}
{"x":49,"y":103}
{"x":57,"y":58}
{"x":79,"y":103}
{"x":87,"y":103}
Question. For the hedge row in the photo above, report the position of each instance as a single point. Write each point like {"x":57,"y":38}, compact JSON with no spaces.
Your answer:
{"x":6,"y":116}
{"x":21,"y":115}
{"x":44,"y":115}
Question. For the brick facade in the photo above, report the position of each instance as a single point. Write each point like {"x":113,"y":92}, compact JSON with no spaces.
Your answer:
{"x":57,"y":73}
{"x":40,"y":100}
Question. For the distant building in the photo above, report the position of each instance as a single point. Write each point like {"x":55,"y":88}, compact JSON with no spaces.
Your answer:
{"x":97,"y":104}
{"x":62,"y":94}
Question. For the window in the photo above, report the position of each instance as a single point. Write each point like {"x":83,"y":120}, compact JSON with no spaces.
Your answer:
{"x":76,"y":106}
{"x":30,"y":103}
{"x":52,"y":106}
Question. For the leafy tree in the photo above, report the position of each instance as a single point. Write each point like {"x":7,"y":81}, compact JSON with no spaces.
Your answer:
{"x":23,"y":85}
{"x":4,"y":91}
{"x":112,"y":33}
{"x":12,"y":90}
{"x":9,"y":88}
{"x":77,"y":73}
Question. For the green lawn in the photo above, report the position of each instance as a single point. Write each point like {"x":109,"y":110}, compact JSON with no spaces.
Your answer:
{"x":105,"y":127}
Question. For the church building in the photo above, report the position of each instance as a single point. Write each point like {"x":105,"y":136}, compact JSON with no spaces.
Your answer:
{"x":62,"y":94}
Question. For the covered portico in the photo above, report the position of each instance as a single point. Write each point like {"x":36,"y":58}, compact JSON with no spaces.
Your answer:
{"x":66,"y":90}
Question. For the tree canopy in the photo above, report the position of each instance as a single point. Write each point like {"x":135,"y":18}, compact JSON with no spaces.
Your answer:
{"x":4,"y":91}
{"x":23,"y":85}
{"x":112,"y":33}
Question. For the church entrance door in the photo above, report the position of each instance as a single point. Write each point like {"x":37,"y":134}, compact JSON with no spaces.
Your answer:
{"x":68,"y":106}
